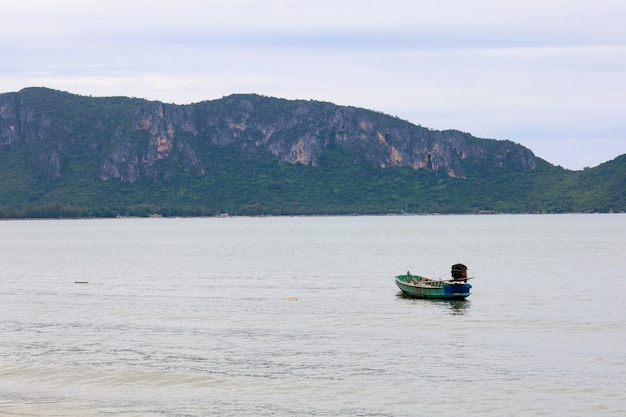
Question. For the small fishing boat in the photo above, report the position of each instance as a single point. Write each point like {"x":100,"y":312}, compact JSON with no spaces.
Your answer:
{"x":456,"y":288}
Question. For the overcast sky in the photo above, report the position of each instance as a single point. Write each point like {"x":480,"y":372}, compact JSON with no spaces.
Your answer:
{"x":548,"y":74}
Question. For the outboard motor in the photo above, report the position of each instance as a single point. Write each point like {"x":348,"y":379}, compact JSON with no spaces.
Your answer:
{"x":459,"y":272}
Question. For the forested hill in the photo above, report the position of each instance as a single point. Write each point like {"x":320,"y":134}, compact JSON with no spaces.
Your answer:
{"x":68,"y":155}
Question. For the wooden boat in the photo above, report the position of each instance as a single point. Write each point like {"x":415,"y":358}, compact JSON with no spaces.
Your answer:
{"x":456,"y":288}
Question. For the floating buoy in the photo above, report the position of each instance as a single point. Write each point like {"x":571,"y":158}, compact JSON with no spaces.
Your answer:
{"x":291,"y":299}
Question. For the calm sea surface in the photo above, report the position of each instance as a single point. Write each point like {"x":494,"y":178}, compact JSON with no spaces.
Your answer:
{"x":299,"y":316}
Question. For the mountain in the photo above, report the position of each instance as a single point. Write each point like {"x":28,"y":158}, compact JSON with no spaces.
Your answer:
{"x":68,"y":155}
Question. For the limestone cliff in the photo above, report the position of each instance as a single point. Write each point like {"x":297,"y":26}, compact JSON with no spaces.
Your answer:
{"x":130,"y":139}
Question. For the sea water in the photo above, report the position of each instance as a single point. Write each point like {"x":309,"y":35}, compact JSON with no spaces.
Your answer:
{"x":300,"y":316}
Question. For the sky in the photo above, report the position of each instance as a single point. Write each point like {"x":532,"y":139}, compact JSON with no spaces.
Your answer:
{"x":547,"y":74}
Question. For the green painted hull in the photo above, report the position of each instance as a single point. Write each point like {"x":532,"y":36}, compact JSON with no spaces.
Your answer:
{"x":421,"y":287}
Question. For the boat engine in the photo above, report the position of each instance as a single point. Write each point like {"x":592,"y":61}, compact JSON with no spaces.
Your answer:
{"x":459,"y":272}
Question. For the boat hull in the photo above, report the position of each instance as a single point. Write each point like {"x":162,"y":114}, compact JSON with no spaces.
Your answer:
{"x":420,"y":287}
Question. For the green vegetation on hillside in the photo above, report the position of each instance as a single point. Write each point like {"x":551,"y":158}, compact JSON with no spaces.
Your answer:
{"x":267,"y":187}
{"x":54,"y":169}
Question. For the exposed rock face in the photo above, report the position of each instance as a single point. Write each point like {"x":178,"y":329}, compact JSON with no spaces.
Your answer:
{"x":130,"y":139}
{"x":132,"y":158}
{"x":301,"y":131}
